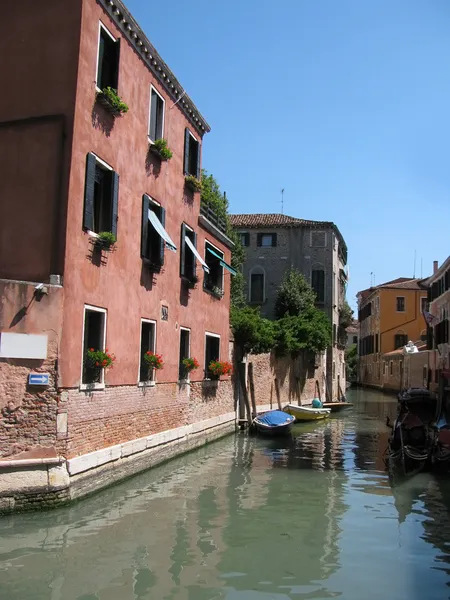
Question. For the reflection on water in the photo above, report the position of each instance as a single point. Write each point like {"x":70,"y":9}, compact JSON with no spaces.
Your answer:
{"x":308,"y":516}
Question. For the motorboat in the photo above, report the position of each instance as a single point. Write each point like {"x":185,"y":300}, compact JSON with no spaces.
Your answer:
{"x":273,"y":422}
{"x":306,"y":413}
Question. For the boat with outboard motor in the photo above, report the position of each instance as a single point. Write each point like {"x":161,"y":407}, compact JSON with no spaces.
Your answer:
{"x":273,"y":422}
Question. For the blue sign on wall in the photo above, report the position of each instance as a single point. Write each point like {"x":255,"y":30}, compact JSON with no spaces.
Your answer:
{"x":38,"y":378}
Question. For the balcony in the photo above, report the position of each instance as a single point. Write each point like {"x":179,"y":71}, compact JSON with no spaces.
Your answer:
{"x":213,"y":217}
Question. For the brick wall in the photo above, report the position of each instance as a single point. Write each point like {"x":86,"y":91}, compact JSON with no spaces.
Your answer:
{"x":279,"y":381}
{"x":122,"y":413}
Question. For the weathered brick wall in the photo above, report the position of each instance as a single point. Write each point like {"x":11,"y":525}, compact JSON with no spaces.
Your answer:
{"x":28,"y":414}
{"x":122,"y":413}
{"x":279,"y":381}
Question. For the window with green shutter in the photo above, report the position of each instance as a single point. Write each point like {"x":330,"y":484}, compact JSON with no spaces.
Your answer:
{"x":100,"y":197}
{"x":191,"y":154}
{"x":108,"y":60}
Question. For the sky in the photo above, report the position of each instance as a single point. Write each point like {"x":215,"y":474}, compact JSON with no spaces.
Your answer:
{"x":344,"y":104}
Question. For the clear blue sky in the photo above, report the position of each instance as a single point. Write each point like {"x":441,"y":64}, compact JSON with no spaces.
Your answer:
{"x":344,"y":104}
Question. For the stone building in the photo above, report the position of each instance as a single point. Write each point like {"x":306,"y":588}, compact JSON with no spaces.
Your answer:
{"x":76,"y":165}
{"x":275,"y":243}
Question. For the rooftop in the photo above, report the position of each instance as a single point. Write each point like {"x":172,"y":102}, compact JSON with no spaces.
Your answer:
{"x":264,"y":220}
{"x":401,"y":283}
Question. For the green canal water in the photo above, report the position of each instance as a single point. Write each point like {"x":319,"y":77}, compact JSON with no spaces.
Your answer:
{"x":312,"y":516}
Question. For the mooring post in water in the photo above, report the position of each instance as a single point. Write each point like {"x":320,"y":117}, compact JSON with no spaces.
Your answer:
{"x":241,"y":375}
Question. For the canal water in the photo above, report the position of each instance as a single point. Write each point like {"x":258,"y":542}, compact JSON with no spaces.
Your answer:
{"x":246,"y":518}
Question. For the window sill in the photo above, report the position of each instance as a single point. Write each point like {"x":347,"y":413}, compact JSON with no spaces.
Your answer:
{"x":91,"y":387}
{"x":151,"y":265}
{"x":144,"y":384}
{"x":184,"y":382}
{"x":218,"y":295}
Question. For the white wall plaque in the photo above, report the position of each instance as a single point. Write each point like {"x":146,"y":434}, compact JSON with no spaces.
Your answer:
{"x":23,"y":345}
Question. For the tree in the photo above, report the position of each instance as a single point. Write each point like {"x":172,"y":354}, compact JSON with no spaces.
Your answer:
{"x":345,"y":315}
{"x":295,"y":295}
{"x":251,"y":332}
{"x":310,"y":332}
{"x":351,"y":357}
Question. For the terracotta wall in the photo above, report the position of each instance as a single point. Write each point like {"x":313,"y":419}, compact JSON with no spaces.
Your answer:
{"x":279,"y":381}
{"x":36,"y":114}
{"x":409,"y":322}
{"x":28,"y":414}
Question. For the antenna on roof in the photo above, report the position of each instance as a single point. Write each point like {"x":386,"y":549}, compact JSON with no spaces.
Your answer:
{"x":414,"y":273}
{"x":282,"y":201}
{"x":421,"y":259}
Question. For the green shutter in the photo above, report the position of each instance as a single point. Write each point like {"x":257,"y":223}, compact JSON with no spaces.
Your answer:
{"x":144,"y":226}
{"x":183,"y":250}
{"x":88,"y":216}
{"x":162,"y":219}
{"x":194,"y":268}
{"x":198,"y":161}
{"x":186,"y":151}
{"x":115,"y":202}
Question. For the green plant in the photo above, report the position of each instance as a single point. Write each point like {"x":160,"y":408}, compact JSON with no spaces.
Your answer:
{"x":153,"y":361}
{"x":295,"y":295}
{"x":193,"y":183}
{"x":190,"y":364}
{"x":345,"y":315}
{"x":107,"y":238}
{"x":163,"y":149}
{"x":114,"y":100}
{"x":351,"y":359}
{"x":99,"y":359}
{"x":251,"y":332}
{"x":218,"y":368}
{"x":310,"y":331}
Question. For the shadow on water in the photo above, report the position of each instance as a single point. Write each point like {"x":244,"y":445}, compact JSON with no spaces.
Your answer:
{"x":312,"y":515}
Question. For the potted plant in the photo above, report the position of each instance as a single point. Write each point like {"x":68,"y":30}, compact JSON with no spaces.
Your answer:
{"x":109,"y":98}
{"x":153,"y":362}
{"x":105,"y":240}
{"x":190,"y":364}
{"x":161,"y":149}
{"x":218,"y":368}
{"x":96,"y":361}
{"x":193,"y":183}
{"x":217,"y":290}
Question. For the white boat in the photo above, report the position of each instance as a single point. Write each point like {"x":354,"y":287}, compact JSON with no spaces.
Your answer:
{"x":306,"y":413}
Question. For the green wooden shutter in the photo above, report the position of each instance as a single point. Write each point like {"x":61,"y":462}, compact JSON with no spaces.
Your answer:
{"x":259,"y":239}
{"x":162,"y":218}
{"x":187,"y":136}
{"x":115,"y":202}
{"x":198,"y":161}
{"x":274,"y":239}
{"x":144,"y":226}
{"x":153,"y":104}
{"x":194,"y":268}
{"x":183,"y":250}
{"x":101,"y":53}
{"x":116,"y":57}
{"x":88,"y":216}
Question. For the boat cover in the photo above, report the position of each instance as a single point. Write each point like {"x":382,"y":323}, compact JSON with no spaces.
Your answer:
{"x":274,"y":418}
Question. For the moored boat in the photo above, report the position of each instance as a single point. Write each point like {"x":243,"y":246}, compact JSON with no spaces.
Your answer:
{"x":337,"y":406}
{"x":306,"y":413}
{"x":274,"y":422}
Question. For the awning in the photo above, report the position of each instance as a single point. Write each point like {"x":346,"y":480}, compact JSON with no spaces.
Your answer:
{"x":222,"y":262}
{"x":196,"y":254}
{"x":161,"y":231}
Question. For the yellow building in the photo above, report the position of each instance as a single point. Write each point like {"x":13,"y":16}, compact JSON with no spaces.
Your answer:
{"x":390,"y":315}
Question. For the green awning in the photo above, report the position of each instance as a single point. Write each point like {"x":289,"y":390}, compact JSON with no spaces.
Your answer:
{"x":222,"y":262}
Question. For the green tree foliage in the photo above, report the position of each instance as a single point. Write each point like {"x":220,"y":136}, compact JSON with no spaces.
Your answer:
{"x":295,"y":295}
{"x":345,"y":315}
{"x":310,"y":331}
{"x":251,"y":332}
{"x":212,"y":196}
{"x":351,"y":357}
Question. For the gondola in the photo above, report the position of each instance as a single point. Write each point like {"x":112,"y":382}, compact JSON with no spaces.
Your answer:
{"x":413,"y":438}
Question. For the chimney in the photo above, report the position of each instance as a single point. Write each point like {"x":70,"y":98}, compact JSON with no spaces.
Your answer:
{"x":435,"y":266}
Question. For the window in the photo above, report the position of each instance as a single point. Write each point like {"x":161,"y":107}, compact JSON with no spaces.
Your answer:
{"x":355,"y":339}
{"x":257,"y":285}
{"x":108,"y":60}
{"x":245,"y":239}
{"x":376,"y":342}
{"x":185,"y":348}
{"x":191,"y":155}
{"x":400,"y":304}
{"x":213,"y":281}
{"x":391,"y":367}
{"x":188,"y":265}
{"x":423,"y":304}
{"x":100,"y":196}
{"x":334,"y":370}
{"x":318,"y":284}
{"x":318,"y":239}
{"x":156,"y":127}
{"x":152,"y":244}
{"x":94,"y":337}
{"x":400,"y":340}
{"x":148,"y":342}
{"x":267,"y":240}
{"x":212,"y":351}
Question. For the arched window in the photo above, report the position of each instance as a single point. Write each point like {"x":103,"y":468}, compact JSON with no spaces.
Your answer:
{"x":257,"y":285}
{"x":400,"y":339}
{"x":318,"y":282}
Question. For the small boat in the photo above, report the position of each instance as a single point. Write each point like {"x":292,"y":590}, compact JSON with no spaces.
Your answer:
{"x":337,"y":406}
{"x":413,"y":438}
{"x":273,"y":422}
{"x":306,"y":413}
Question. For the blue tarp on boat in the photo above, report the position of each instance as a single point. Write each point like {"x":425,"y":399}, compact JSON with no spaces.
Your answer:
{"x":275,"y":417}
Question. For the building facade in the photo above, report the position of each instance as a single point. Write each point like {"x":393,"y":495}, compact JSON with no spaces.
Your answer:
{"x":352,"y":332}
{"x":275,"y":243}
{"x":390,"y":315}
{"x":77,"y":165}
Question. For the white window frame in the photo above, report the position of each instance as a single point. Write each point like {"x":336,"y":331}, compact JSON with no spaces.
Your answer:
{"x":108,"y":168}
{"x":101,"y":384}
{"x":263,"y":272}
{"x":152,"y":88}
{"x":150,"y":382}
{"x":100,"y":27}
{"x":223,"y":258}
{"x":189,"y":347}
{"x":209,"y":334}
{"x":396,"y":304}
